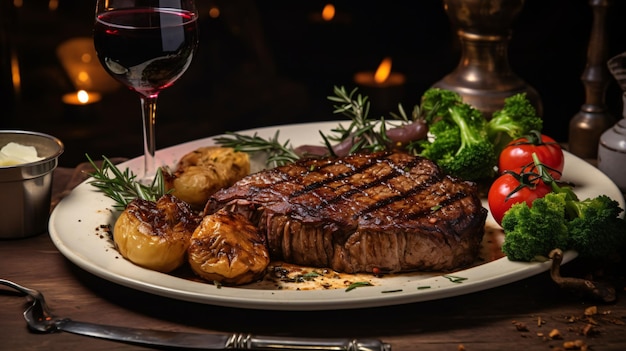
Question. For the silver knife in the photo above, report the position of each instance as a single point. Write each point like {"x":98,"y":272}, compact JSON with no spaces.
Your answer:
{"x":235,"y":341}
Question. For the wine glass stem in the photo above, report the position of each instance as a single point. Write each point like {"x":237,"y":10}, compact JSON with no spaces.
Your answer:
{"x":148,"y":107}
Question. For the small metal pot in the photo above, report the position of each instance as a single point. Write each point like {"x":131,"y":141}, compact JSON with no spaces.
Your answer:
{"x":26,"y":189}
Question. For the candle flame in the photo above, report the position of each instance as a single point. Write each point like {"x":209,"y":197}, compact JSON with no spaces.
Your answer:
{"x":383,"y":71}
{"x":15,"y":73}
{"x":83,"y":96}
{"x":328,"y":13}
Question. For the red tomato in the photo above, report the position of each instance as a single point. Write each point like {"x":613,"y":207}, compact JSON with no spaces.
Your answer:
{"x":504,"y":186}
{"x":518,"y":153}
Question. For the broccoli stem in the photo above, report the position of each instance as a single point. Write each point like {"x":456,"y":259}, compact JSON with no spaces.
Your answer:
{"x":468,"y":135}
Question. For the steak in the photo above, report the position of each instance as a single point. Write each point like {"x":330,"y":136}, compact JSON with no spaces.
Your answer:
{"x":387,"y":212}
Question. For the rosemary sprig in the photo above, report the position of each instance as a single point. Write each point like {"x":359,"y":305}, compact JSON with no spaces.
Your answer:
{"x":366,"y":133}
{"x":123,"y":186}
{"x":278,"y":153}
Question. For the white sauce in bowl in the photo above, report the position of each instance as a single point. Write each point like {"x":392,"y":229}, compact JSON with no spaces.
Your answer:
{"x":14,"y":154}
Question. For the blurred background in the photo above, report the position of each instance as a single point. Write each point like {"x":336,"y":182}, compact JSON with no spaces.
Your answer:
{"x":264,"y":63}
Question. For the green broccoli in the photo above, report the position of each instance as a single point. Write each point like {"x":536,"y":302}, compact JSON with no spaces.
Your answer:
{"x":476,"y":158}
{"x":596,"y":229}
{"x":532,"y":232}
{"x":517,"y":118}
{"x":445,"y":133}
{"x":446,"y":140}
{"x":460,"y":145}
{"x":435,"y":103}
{"x":593,"y":227}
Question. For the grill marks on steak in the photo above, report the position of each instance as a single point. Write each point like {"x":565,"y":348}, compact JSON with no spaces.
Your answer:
{"x":389,"y":211}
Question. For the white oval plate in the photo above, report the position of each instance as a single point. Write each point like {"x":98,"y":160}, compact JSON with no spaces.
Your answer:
{"x":76,"y":221}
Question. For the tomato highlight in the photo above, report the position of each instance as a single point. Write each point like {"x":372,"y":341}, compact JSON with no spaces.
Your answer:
{"x":518,"y":154}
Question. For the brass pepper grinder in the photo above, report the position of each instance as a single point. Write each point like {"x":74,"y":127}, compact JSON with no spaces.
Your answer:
{"x":593,"y":118}
{"x":483,"y":76}
{"x":612,"y":145}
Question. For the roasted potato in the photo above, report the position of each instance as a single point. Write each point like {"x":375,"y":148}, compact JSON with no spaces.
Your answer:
{"x":155,"y":235}
{"x":204,"y":171}
{"x":227,"y":248}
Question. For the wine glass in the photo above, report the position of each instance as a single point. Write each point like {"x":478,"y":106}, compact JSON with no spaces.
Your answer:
{"x":146,"y":45}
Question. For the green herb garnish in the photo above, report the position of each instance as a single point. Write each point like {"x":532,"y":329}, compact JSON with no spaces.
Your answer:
{"x":357,"y":285}
{"x":435,"y":208}
{"x":455,"y":279}
{"x":363,"y":133}
{"x":366,"y":133}
{"x":391,"y":291}
{"x":123,"y":186}
{"x":310,"y":276}
{"x":279,"y":153}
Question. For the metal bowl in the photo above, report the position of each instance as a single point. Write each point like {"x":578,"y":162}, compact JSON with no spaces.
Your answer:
{"x":26,"y":189}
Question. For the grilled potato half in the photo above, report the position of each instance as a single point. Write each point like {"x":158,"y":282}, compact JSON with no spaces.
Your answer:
{"x":204,"y":171}
{"x":228,"y":249}
{"x":155,"y":235}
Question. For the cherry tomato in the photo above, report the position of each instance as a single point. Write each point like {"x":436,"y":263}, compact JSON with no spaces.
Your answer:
{"x":505,"y":186}
{"x":518,"y":153}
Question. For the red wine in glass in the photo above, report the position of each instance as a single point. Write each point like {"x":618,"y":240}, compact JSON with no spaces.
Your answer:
{"x":147,"y":49}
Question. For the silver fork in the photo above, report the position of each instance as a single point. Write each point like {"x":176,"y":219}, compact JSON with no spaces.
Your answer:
{"x":40,"y":319}
{"x":37,"y":315}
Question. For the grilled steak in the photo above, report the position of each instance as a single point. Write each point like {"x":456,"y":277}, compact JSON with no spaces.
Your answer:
{"x":388,"y":211}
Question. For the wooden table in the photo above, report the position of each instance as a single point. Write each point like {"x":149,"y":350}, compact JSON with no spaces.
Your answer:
{"x":517,"y":316}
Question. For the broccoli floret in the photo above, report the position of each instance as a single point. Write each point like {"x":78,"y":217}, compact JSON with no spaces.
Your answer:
{"x":475,"y":159}
{"x":459,"y":144}
{"x":517,"y":118}
{"x":435,"y":103}
{"x":446,"y":140}
{"x":532,"y":232}
{"x":595,"y":228}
